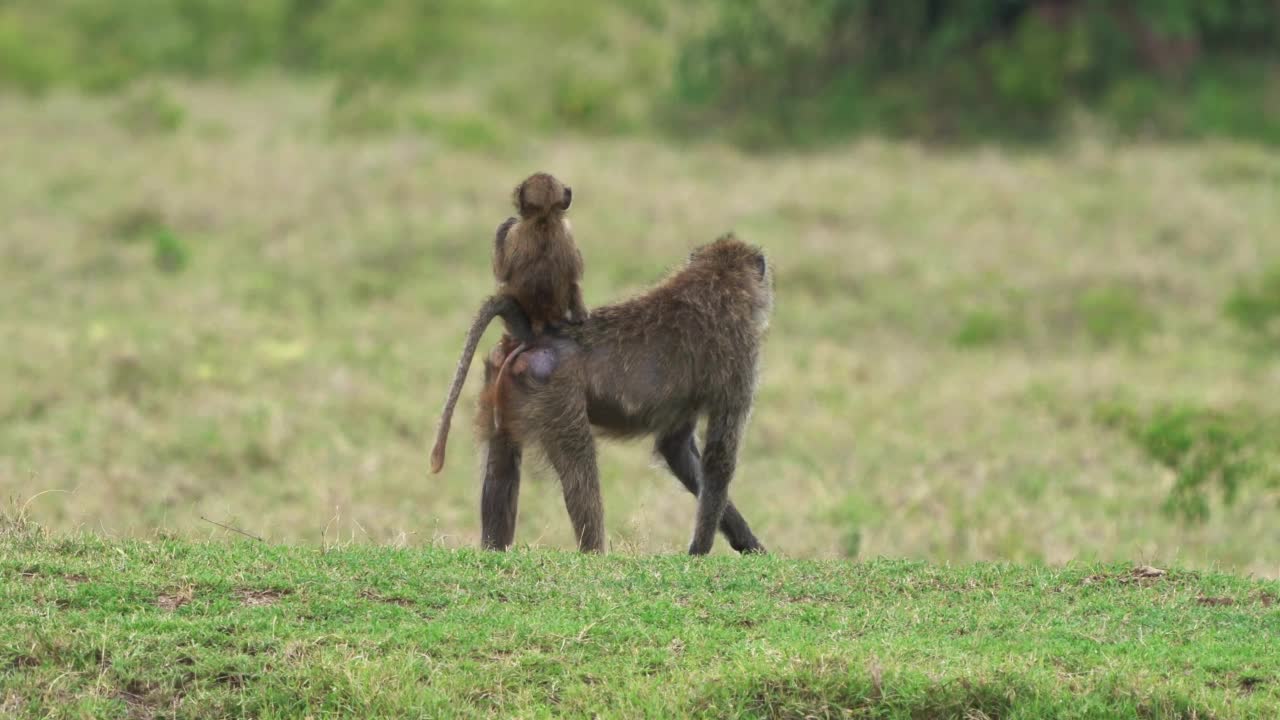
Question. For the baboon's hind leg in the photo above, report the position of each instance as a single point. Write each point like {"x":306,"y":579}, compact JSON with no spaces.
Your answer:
{"x":501,"y":492}
{"x":571,"y":450}
{"x":680,"y":450}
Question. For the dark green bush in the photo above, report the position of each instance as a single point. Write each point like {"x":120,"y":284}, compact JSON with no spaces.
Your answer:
{"x":852,"y":517}
{"x":1114,"y":314}
{"x":761,"y":71}
{"x":982,"y":328}
{"x":169,"y":252}
{"x":151,"y":112}
{"x":1255,"y":306}
{"x":785,"y":71}
{"x":467,"y":132}
{"x":1204,"y":448}
{"x":359,"y":107}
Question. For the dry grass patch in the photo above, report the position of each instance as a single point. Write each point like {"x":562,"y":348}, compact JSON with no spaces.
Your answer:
{"x":257,"y":323}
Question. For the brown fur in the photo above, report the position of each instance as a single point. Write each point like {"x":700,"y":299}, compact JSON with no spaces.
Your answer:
{"x":539,"y":270}
{"x":651,"y":365}
{"x":536,"y":260}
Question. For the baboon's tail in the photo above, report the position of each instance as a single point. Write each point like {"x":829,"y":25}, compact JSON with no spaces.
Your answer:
{"x":492,"y":307}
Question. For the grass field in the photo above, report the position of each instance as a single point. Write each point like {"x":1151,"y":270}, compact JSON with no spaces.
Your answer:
{"x":245,"y":303}
{"x":167,"y":628}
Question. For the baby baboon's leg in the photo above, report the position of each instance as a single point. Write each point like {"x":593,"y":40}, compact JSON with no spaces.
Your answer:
{"x":572,"y":451}
{"x":680,"y":450}
{"x":577,"y":308}
{"x":500,"y":386}
{"x":724,"y":428}
{"x":501,"y":492}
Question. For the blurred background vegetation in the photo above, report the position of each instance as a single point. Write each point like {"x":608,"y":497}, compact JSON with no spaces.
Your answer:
{"x":1027,"y":257}
{"x":764,"y":72}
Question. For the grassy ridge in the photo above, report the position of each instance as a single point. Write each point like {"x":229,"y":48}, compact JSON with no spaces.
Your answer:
{"x":175,"y":628}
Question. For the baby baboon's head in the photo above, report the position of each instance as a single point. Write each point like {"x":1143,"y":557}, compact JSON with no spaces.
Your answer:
{"x":540,"y":195}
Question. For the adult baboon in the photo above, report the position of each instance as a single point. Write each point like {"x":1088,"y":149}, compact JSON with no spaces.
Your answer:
{"x":538,"y":268}
{"x":651,"y":365}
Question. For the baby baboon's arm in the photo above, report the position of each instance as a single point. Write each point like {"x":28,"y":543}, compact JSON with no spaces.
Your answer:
{"x":501,"y":266}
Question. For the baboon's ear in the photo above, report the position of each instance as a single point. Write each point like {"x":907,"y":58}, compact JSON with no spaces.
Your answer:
{"x":568,"y":198}
{"x":761,"y":264}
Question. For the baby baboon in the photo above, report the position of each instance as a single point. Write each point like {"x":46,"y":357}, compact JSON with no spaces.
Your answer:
{"x":535,"y":259}
{"x":538,"y":269}
{"x":652,"y":365}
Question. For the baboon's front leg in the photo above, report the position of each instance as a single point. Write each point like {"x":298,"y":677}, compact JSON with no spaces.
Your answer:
{"x":724,"y":428}
{"x":680,"y":450}
{"x":501,"y":492}
{"x":572,"y":452}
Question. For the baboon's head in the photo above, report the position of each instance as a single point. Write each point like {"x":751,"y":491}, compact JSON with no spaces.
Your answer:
{"x":540,"y":195}
{"x":729,"y":253}
{"x":742,"y":265}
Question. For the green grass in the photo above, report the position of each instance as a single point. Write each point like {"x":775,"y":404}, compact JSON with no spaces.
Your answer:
{"x":250,"y":317}
{"x":172,"y":628}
